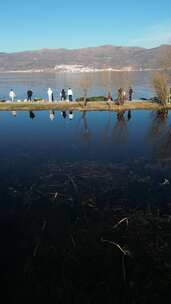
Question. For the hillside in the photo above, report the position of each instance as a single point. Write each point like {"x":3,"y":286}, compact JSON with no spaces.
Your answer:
{"x":107,"y":56}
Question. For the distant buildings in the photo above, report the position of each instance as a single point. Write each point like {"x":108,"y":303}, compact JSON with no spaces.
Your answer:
{"x":82,"y":69}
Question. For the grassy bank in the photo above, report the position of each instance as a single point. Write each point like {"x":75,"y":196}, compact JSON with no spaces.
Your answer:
{"x":79,"y":106}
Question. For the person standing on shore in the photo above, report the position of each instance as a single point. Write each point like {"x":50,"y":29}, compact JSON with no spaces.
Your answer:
{"x":12,"y":95}
{"x":70,"y":95}
{"x":63,"y":95}
{"x":29,"y":95}
{"x":130,"y":93}
{"x":109,"y":97}
{"x":50,"y":95}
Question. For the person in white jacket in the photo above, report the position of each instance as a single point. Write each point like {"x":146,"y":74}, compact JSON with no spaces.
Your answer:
{"x":70,"y":95}
{"x":50,"y":94}
{"x":12,"y":95}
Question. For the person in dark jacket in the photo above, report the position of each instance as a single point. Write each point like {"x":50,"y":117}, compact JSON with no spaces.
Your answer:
{"x":29,"y":95}
{"x":63,"y":95}
{"x":130,"y":93}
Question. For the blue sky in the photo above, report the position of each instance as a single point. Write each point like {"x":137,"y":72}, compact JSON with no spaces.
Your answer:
{"x":36,"y":24}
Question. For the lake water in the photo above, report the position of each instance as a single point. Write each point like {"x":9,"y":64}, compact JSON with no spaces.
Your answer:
{"x":66,"y":181}
{"x":39,"y":83}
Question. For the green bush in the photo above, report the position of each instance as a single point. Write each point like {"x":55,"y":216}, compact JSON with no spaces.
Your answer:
{"x":94,"y":98}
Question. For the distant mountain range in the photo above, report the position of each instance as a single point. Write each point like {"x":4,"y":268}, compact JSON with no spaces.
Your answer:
{"x":102,"y":57}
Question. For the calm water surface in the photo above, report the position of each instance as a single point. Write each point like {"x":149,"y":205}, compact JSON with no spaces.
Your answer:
{"x":94,"y":136}
{"x":39,"y":83}
{"x":65,"y":183}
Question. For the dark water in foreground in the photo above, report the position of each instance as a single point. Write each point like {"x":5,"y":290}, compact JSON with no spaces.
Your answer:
{"x":65,"y":186}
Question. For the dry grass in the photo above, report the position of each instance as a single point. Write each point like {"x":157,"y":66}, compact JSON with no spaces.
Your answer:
{"x":79,"y":106}
{"x":160,"y":82}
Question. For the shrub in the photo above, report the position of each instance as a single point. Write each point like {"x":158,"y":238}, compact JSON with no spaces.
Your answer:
{"x":160,"y":86}
{"x":94,"y":98}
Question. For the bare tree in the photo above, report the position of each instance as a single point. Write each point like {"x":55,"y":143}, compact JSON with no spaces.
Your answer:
{"x":160,"y":83}
{"x":116,"y":80}
{"x":85,"y":84}
{"x":105,"y":80}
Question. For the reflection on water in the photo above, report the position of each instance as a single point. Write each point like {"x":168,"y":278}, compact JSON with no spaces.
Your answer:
{"x":160,"y":135}
{"x":129,"y":115}
{"x":52,"y":115}
{"x":85,"y":206}
{"x":14,"y":113}
{"x":110,"y":136}
{"x":86,"y":131}
{"x":31,"y":115}
{"x":120,"y":130}
{"x":64,"y":115}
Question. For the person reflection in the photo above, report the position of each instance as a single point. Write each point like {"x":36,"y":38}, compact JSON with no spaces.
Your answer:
{"x":129,"y":115}
{"x":71,"y":115}
{"x":52,"y":115}
{"x":14,"y":113}
{"x":120,"y":116}
{"x":31,"y":115}
{"x":63,"y":114}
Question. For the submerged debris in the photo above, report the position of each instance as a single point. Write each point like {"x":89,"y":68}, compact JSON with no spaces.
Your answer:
{"x":60,"y":221}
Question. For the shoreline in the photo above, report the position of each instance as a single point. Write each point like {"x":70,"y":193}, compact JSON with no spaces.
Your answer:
{"x":79,"y":106}
{"x":80,"y":71}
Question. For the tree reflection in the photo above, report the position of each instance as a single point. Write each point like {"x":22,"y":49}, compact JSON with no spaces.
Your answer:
{"x":107,"y":129}
{"x":120,"y":131}
{"x":86,"y":131}
{"x":160,"y":135}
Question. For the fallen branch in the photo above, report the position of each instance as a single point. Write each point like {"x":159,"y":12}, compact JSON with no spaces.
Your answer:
{"x":125,"y":252}
{"x":73,"y":183}
{"x":120,"y":222}
{"x":44,"y":226}
{"x":73,"y":241}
